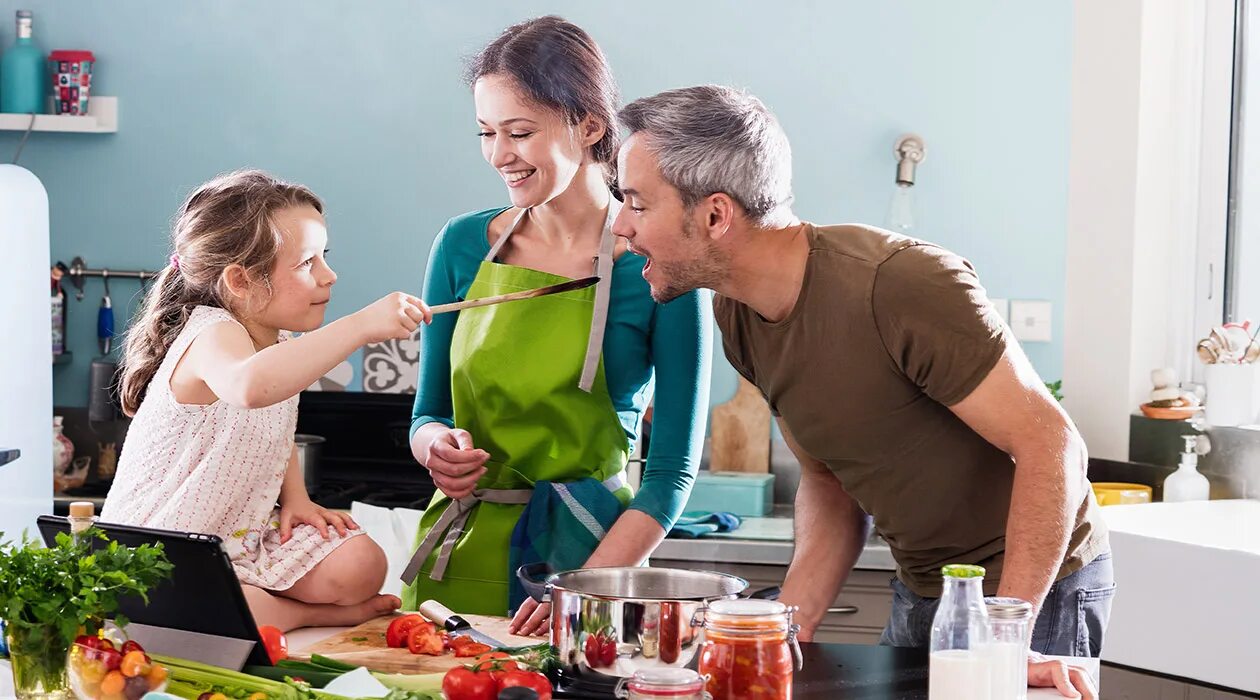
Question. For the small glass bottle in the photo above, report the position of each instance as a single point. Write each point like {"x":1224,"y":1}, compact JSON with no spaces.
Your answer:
{"x":958,"y":665}
{"x":662,"y":683}
{"x":749,"y":647}
{"x":22,"y":86}
{"x":82,"y":518}
{"x":1010,"y":621}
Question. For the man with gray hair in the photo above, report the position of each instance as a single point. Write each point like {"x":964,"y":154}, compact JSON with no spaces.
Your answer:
{"x":892,"y":378}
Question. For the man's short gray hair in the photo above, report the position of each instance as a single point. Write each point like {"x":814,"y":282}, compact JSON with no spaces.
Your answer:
{"x":712,"y":138}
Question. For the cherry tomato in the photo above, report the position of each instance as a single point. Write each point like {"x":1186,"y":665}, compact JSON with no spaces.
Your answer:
{"x":590,"y":649}
{"x":274,"y":642}
{"x":396,"y":633}
{"x":131,"y":645}
{"x":528,"y":679}
{"x":112,"y":659}
{"x":461,"y":683}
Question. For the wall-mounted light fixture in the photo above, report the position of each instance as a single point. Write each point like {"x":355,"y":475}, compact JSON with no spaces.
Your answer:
{"x":910,"y":151}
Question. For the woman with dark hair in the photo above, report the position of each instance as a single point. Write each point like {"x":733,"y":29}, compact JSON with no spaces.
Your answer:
{"x":526,"y":413}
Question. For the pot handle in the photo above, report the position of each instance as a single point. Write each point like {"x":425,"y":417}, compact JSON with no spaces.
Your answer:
{"x":770,"y":593}
{"x":529,"y":575}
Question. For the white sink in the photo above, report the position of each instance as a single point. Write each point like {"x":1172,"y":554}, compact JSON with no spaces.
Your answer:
{"x":1185,"y":604}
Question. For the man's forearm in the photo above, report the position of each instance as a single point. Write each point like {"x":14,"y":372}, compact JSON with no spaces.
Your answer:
{"x":1049,"y":486}
{"x":831,"y":530}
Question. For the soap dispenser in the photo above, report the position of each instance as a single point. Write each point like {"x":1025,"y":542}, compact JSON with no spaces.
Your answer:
{"x":1187,"y":484}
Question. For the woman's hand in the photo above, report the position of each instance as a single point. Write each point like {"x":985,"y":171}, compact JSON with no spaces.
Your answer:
{"x":454,"y":463}
{"x":531,"y":619}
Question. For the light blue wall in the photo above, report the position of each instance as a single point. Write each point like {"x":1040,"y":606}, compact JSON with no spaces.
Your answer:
{"x":362,"y":101}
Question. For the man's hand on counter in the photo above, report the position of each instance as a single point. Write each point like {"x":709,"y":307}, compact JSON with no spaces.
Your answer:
{"x":1071,"y":681}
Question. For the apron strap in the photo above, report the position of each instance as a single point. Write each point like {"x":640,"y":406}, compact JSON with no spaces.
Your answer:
{"x":450,"y":527}
{"x":603,"y":288}
{"x":451,"y":524}
{"x":498,"y":245}
{"x":603,"y":292}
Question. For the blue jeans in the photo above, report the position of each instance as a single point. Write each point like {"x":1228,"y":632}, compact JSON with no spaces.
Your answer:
{"x":1073,"y":618}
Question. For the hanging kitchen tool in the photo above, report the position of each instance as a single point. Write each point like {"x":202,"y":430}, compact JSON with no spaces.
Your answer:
{"x":105,"y":319}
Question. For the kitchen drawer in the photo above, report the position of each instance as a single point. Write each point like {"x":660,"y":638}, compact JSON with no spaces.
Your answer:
{"x":867,"y":591}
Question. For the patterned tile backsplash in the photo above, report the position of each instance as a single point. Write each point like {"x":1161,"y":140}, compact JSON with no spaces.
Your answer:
{"x":391,"y":367}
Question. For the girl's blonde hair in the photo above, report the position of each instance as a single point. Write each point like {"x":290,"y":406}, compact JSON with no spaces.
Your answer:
{"x":229,"y":220}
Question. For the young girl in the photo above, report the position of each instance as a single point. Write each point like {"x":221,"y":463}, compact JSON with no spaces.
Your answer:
{"x":212,"y":380}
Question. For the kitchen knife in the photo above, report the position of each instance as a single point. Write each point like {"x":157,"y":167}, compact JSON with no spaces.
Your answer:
{"x":456,"y":625}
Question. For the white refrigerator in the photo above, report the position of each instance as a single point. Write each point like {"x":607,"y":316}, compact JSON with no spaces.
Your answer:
{"x":25,"y":352}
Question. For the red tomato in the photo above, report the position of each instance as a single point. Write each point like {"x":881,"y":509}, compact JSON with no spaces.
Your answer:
{"x":396,"y":633}
{"x":131,"y":645}
{"x":528,"y":679}
{"x":608,"y":651}
{"x":460,"y":683}
{"x":600,"y":648}
{"x":423,"y":639}
{"x":89,"y":641}
{"x":496,"y":663}
{"x":274,"y":642}
{"x":473,"y":649}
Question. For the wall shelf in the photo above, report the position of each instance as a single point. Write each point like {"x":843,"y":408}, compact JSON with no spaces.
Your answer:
{"x":102,"y":118}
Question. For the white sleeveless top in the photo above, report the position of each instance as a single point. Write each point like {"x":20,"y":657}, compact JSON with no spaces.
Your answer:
{"x":215,"y":469}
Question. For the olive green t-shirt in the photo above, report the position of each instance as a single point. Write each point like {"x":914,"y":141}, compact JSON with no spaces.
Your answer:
{"x":887,"y":333}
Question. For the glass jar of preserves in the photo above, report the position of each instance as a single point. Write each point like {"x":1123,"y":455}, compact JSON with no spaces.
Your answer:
{"x":750,"y":649}
{"x":663,"y":684}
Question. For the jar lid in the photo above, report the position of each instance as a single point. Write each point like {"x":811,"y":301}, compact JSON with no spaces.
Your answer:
{"x":747,"y":606}
{"x":666,"y":679}
{"x":1008,"y":608}
{"x":962,"y":571}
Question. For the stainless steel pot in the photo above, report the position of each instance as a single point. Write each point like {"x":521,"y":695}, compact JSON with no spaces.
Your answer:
{"x":609,"y":623}
{"x":309,"y":450}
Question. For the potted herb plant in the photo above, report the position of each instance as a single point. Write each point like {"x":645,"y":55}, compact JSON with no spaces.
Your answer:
{"x":50,"y":595}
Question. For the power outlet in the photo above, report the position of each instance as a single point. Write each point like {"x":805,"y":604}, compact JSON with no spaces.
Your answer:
{"x":1031,"y":320}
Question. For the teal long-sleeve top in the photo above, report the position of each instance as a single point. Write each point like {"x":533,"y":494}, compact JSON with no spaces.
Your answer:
{"x":646,"y":345}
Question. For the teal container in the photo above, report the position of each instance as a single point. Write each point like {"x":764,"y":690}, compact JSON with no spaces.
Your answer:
{"x":747,"y":495}
{"x":23,"y":87}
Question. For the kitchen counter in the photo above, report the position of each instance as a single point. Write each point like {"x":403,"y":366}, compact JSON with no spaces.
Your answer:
{"x":872,"y":672}
{"x":762,"y":541}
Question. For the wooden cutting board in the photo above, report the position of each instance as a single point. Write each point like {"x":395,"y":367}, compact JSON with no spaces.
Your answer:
{"x":739,"y":433}
{"x":365,"y":646}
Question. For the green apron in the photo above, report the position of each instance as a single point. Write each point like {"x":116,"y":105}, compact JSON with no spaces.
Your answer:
{"x":527,"y":382}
